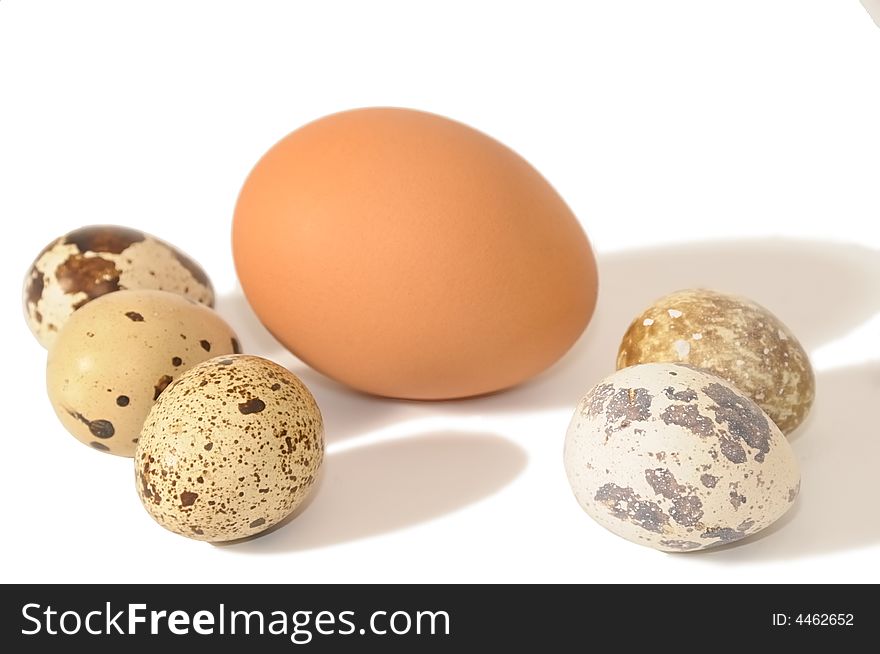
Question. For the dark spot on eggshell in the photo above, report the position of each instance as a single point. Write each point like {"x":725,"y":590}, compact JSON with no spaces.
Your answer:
{"x":253,"y":405}
{"x":663,"y":482}
{"x":681,"y":545}
{"x":736,"y":500}
{"x":187,"y":498}
{"x":92,"y":276}
{"x":236,"y":348}
{"x":122,"y":400}
{"x":99,"y":446}
{"x":209,"y":446}
{"x":687,"y":395}
{"x":626,"y":406}
{"x":134,"y":316}
{"x":631,"y":404}
{"x":793,"y":492}
{"x":259,"y":522}
{"x":594,"y":402}
{"x":206,"y":346}
{"x":148,"y":489}
{"x":708,"y":480}
{"x":723,"y":534}
{"x":625,"y":504}
{"x":104,"y":238}
{"x":743,"y":418}
{"x":98,"y":428}
{"x":731,"y":449}
{"x":687,"y":509}
{"x":689,"y":417}
{"x":161,"y":385}
{"x":276,"y":386}
{"x":34,"y":288}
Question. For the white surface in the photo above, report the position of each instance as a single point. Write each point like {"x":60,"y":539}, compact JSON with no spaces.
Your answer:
{"x":685,"y":134}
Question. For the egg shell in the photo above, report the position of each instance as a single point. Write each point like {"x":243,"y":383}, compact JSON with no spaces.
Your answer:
{"x":732,"y":337}
{"x":407,"y":255}
{"x":675,"y":458}
{"x":229,"y":450}
{"x":93,"y":261}
{"x":117,"y":354}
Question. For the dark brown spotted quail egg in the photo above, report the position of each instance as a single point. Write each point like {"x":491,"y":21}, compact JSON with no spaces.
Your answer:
{"x":229,"y":450}
{"x":116,"y":355}
{"x":732,"y":337}
{"x":96,"y":260}
{"x":675,"y":458}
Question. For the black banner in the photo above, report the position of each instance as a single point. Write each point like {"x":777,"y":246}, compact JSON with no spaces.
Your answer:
{"x":288,"y":618}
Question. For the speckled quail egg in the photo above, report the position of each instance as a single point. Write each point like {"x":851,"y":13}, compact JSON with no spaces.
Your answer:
{"x":675,"y":458}
{"x":118,"y":353}
{"x":229,"y":450}
{"x":96,"y":260}
{"x":732,"y":337}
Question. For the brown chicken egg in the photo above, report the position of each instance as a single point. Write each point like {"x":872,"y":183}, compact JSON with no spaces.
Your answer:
{"x":408,"y":255}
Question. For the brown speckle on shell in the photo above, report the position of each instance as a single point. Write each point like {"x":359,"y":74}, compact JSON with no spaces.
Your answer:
{"x":98,"y":428}
{"x":92,"y":276}
{"x":253,"y":405}
{"x":188,"y":498}
{"x":104,"y":238}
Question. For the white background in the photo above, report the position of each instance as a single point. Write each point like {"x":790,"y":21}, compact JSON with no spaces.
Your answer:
{"x":725,"y":144}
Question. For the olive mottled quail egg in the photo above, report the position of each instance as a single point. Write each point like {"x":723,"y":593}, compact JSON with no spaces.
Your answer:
{"x":675,"y":458}
{"x":93,"y":261}
{"x":229,"y":450}
{"x":118,"y":353}
{"x":732,"y":337}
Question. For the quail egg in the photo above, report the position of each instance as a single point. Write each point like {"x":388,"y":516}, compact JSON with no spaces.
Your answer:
{"x":732,"y":337}
{"x":93,"y":261}
{"x":675,"y":458}
{"x":117,"y":354}
{"x":229,"y":450}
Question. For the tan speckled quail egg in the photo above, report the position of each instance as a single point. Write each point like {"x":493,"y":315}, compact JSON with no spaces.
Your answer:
{"x":93,"y":261}
{"x":675,"y":458}
{"x":732,"y":337}
{"x":118,"y":353}
{"x":229,"y":450}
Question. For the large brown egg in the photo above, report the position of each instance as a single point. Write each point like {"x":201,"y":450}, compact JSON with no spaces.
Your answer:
{"x":408,"y":255}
